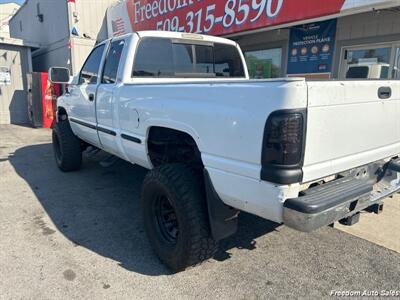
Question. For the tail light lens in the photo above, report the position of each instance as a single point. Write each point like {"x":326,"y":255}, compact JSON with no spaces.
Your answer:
{"x":283,"y":147}
{"x":283,"y":139}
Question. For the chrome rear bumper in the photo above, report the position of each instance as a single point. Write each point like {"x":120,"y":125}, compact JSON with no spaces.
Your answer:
{"x":352,"y":192}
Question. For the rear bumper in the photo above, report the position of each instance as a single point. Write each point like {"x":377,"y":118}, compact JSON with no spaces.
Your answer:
{"x":354,"y":191}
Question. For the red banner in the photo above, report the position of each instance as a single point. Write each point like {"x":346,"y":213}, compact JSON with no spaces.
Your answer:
{"x":224,"y":16}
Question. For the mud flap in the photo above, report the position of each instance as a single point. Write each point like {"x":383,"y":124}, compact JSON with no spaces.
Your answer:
{"x":223,"y":218}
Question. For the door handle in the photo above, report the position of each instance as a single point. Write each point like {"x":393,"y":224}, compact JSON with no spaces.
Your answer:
{"x":91,"y":97}
{"x":384,"y":92}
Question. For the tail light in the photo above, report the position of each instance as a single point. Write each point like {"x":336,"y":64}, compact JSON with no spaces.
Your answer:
{"x":283,"y":146}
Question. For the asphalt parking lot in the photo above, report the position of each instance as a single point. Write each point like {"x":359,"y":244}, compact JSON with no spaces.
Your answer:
{"x":80,"y":236}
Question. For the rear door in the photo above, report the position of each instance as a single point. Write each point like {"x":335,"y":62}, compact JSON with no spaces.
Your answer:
{"x":350,"y":123}
{"x":82,"y":97}
{"x":105,"y":97}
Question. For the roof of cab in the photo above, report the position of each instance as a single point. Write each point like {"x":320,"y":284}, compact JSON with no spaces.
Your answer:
{"x":183,"y":35}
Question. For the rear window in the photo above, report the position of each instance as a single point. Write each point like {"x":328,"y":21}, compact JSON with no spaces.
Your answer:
{"x":160,"y":57}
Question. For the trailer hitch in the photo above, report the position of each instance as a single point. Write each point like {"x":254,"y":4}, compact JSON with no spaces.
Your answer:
{"x":394,"y":165}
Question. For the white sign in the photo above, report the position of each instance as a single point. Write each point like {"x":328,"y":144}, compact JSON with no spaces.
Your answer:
{"x":5,"y":76}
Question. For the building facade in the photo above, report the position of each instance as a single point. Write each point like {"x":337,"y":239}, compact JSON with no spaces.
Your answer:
{"x":7,"y":10}
{"x":66,"y":30}
{"x":15,"y":63}
{"x":317,"y":39}
{"x":361,"y":39}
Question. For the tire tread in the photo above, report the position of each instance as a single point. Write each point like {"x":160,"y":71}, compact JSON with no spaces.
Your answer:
{"x":184,"y":182}
{"x":71,"y":147}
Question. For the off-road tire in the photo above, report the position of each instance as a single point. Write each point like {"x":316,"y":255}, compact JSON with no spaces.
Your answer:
{"x":185,"y":191}
{"x":67,"y":147}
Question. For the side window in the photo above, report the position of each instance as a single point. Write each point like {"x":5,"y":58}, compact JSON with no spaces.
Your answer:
{"x":90,"y":70}
{"x":112,"y":62}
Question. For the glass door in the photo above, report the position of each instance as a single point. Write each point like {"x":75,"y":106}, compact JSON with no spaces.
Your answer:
{"x":396,"y":66}
{"x":366,"y":62}
{"x":265,"y":63}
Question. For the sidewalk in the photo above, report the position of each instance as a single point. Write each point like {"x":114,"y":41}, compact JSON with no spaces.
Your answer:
{"x":382,"y":229}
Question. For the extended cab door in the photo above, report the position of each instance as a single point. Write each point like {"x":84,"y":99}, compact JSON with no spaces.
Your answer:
{"x":105,"y":104}
{"x":82,"y":98}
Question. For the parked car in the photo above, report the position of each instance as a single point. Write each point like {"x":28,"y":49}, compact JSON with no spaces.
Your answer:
{"x":302,"y":153}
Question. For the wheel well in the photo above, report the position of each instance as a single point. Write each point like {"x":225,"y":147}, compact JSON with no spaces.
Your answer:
{"x":63,"y":116}
{"x":166,"y":145}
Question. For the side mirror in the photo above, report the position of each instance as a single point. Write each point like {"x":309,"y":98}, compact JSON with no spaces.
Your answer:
{"x":59,"y":75}
{"x":74,"y":80}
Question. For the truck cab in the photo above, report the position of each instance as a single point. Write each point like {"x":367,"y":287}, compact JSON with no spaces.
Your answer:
{"x":293,"y":151}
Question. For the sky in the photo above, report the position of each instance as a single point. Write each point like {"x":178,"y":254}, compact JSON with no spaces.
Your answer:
{"x":16,"y":1}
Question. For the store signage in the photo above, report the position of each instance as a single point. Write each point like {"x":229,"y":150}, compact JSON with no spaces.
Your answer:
{"x":216,"y":17}
{"x":311,"y":48}
{"x":226,"y":16}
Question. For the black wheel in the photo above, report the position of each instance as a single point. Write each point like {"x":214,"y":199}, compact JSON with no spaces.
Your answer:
{"x":175,"y":216}
{"x":66,"y":147}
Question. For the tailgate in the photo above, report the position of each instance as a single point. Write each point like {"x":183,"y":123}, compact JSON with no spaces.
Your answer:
{"x":349,"y":125}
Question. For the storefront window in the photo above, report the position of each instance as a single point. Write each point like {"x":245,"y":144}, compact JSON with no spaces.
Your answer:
{"x":264,"y":63}
{"x":371,"y":63}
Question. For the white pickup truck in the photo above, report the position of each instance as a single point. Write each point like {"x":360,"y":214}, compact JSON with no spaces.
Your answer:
{"x":302,"y":153}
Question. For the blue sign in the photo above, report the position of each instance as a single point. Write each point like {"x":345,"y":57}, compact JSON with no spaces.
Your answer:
{"x":311,"y":48}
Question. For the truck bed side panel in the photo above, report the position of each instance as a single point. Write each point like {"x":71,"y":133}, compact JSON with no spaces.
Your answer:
{"x":227,"y":122}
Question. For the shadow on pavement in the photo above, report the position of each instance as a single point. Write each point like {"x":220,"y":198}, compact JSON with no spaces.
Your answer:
{"x":99,"y":209}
